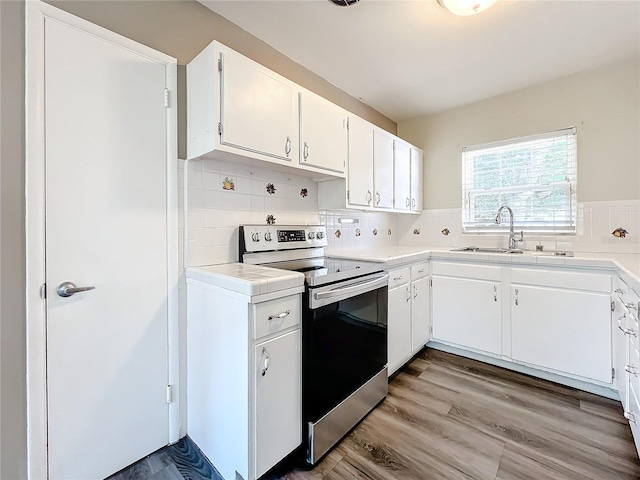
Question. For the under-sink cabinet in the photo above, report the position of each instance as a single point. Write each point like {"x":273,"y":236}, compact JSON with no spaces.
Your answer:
{"x":561,"y":321}
{"x":244,"y":378}
{"x":408,"y":313}
{"x":467,"y":306}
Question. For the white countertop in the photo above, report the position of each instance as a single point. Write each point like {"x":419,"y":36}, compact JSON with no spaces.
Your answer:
{"x":247,"y":279}
{"x":627,"y":265}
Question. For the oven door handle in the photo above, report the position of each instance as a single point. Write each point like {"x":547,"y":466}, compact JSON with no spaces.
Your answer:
{"x":360,"y":287}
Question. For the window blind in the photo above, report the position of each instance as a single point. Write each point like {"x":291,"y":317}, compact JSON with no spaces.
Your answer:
{"x":535,"y":176}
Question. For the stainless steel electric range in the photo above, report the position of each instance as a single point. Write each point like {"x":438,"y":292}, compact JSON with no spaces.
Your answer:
{"x":344,"y":329}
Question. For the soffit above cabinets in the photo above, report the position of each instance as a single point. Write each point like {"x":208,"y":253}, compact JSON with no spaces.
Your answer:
{"x":410,"y":58}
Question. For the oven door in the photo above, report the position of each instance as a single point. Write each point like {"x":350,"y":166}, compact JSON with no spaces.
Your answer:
{"x":344,"y":341}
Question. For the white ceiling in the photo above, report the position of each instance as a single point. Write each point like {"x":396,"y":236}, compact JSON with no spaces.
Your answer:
{"x":409,"y":58}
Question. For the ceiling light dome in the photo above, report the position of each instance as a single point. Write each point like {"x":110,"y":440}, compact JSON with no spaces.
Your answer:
{"x":344,"y":3}
{"x":465,"y":8}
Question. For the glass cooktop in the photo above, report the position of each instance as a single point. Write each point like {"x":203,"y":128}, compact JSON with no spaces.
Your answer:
{"x":323,"y":270}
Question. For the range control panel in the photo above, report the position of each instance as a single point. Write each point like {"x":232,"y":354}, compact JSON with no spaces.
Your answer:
{"x":262,"y":238}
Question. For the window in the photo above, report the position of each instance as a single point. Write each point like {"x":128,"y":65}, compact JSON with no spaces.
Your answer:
{"x":535,"y":176}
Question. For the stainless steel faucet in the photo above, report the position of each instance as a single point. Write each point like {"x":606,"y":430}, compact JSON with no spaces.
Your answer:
{"x":512,"y":235}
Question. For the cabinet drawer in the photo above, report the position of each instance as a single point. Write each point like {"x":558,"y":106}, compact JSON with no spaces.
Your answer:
{"x":467,"y":271}
{"x":275,"y":315}
{"x":399,"y":277}
{"x":419,"y":271}
{"x":559,"y":279}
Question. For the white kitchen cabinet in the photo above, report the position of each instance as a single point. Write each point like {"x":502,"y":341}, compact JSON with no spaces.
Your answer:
{"x":561,"y":321}
{"x":399,"y":319}
{"x":401,"y":175}
{"x":382,"y":169}
{"x":323,"y":133}
{"x":420,"y":306}
{"x":244,"y":376}
{"x":467,"y":306}
{"x":277,"y":379}
{"x":360,"y":165}
{"x":237,"y":106}
{"x":416,"y":179}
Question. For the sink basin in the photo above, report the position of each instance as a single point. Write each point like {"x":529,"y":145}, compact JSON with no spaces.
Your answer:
{"x":487,"y":250}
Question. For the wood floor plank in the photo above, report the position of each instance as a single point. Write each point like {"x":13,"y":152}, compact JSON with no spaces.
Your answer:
{"x":424,"y":393}
{"x":520,"y":464}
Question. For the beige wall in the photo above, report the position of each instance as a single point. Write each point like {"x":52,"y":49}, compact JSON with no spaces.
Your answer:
{"x":183,"y":28}
{"x":13,"y":423}
{"x":604,"y":104}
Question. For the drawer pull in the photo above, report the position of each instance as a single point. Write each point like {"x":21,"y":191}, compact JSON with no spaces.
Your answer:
{"x":619,"y":290}
{"x":279,"y":316}
{"x":395,"y":279}
{"x":631,"y":417}
{"x":628,"y":331}
{"x":421,"y":270}
{"x":630,"y":306}
{"x":631,"y":369}
{"x":266,"y":360}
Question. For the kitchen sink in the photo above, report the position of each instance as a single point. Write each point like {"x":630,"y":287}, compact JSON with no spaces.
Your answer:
{"x":487,"y":250}
{"x":550,"y":253}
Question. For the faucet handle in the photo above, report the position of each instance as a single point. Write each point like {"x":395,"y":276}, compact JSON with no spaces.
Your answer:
{"x":521,"y":239}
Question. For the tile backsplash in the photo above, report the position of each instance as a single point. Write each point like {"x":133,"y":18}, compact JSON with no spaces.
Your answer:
{"x":219,"y":196}
{"x":222,"y":195}
{"x":596,"y":221}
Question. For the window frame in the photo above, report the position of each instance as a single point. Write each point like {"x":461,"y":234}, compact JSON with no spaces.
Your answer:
{"x":568,"y":226}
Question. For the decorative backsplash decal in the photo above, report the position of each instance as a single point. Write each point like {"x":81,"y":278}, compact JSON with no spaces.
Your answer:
{"x":375,"y":231}
{"x":338,"y":234}
{"x":445,"y":231}
{"x":416,"y":231}
{"x":271,"y":220}
{"x":357,"y":232}
{"x":228,"y":184}
{"x":304,"y":193}
{"x":389,"y":232}
{"x":271,"y":189}
{"x":620,"y":232}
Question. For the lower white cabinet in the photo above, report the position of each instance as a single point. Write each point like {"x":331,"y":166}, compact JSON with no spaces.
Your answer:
{"x":244,"y":378}
{"x":561,"y":321}
{"x":408,"y":313}
{"x":466,"y":306}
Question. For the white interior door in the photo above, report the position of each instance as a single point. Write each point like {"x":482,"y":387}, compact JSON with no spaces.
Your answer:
{"x":106,"y":226}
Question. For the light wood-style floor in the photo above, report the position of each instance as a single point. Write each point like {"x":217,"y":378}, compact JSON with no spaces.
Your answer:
{"x":447,"y":417}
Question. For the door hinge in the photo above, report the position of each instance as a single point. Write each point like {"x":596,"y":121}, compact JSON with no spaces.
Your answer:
{"x":348,"y":195}
{"x":43,"y":291}
{"x":613,"y":374}
{"x":166,"y":98}
{"x":219,"y":64}
{"x":431,"y":282}
{"x":347,"y":123}
{"x":430,"y":329}
{"x":219,"y":128}
{"x":613,"y":306}
{"x":169,"y":393}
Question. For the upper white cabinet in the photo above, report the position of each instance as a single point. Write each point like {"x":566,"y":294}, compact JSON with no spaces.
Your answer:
{"x":382,"y":169}
{"x":416,"y":179}
{"x":323,"y":133}
{"x":401,"y":175}
{"x":360,"y":165}
{"x":238,"y":106}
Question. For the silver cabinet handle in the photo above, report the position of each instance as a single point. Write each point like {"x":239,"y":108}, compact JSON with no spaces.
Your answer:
{"x":619,"y":290}
{"x":408,"y":294}
{"x":66,"y":289}
{"x":287,"y":146}
{"x":415,"y":291}
{"x":369,"y":197}
{"x":279,"y":316}
{"x":421,"y":270}
{"x":413,"y":203}
{"x":495,"y":293}
{"x":266,"y":360}
{"x":628,"y":331}
{"x":630,"y":305}
{"x":377,"y":198}
{"x":407,"y":202}
{"x":516,"y":292}
{"x":631,"y":369}
{"x":399,"y":277}
{"x":305,"y":151}
{"x":630,"y":416}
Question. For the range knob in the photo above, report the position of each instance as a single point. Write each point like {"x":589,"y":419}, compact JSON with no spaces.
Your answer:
{"x":267,"y":236}
{"x":312,"y":235}
{"x":255,"y":236}
{"x":320,"y":236}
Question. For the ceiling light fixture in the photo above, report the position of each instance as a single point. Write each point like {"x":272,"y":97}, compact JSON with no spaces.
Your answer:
{"x":464,"y":8}
{"x":344,"y":3}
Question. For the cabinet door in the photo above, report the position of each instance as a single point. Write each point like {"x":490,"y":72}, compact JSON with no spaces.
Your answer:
{"x":258,"y":109}
{"x":360,"y":172}
{"x":382,"y":169}
{"x":467,"y":312}
{"x":399,"y":327}
{"x":323,"y":133}
{"x":278,"y":411}
{"x":401,"y":176}
{"x":568,"y":331}
{"x":420,"y":310}
{"x":416,"y":180}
